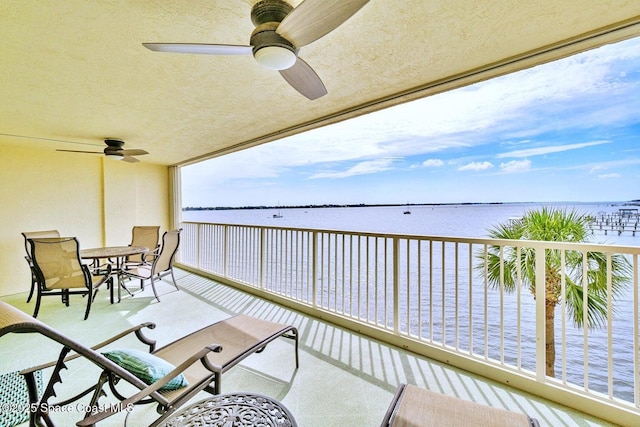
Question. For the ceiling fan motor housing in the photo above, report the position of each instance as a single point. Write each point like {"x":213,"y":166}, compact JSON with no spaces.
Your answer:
{"x":269,"y":11}
{"x":114,"y":147}
{"x":265,"y":35}
{"x":266,"y":15}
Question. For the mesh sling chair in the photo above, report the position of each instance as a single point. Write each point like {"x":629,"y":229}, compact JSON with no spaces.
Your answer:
{"x":201,"y":357}
{"x":417,"y":407}
{"x":29,"y":258}
{"x":59,"y":271}
{"x":161,"y":264}
{"x":146,"y":236}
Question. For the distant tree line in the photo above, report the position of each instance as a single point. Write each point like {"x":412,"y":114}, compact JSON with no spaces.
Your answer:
{"x":358,"y":205}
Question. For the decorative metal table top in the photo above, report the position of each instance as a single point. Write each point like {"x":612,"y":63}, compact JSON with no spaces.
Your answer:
{"x":233,"y":410}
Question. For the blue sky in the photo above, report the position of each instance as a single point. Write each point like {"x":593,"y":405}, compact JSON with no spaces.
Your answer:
{"x":563,"y":131}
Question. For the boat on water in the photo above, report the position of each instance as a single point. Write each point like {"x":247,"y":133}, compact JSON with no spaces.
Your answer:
{"x":278,"y":214}
{"x":407,"y":211}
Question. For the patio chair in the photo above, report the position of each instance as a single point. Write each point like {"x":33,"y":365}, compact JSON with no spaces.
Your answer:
{"x":59,"y":271}
{"x":147,"y":236}
{"x":417,"y":407}
{"x":200,"y":358}
{"x":161,"y":264}
{"x":28,"y":257}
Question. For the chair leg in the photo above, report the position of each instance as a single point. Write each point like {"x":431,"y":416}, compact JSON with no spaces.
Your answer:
{"x":110,"y":284}
{"x":95,"y":294}
{"x":97,"y":393}
{"x":153,"y":286}
{"x":174,"y":280}
{"x":38,"y":298}
{"x":90,"y":298}
{"x":33,"y":288}
{"x":121,"y":285}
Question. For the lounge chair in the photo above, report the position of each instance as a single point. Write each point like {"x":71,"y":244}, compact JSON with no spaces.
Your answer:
{"x":416,"y":407}
{"x":201,"y":357}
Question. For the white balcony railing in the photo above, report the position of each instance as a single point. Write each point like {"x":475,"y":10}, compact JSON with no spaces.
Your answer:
{"x":429,"y":294}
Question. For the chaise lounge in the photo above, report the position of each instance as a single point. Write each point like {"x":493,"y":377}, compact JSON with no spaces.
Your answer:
{"x":180,"y":369}
{"x":417,"y":407}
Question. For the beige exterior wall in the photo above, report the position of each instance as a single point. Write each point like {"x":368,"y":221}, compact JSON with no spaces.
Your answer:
{"x":88,"y":196}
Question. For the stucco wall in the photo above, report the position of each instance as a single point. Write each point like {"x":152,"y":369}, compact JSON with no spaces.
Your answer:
{"x":88,"y":196}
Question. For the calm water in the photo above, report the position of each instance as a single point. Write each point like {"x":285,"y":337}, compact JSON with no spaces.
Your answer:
{"x":467,"y":221}
{"x":444,"y":220}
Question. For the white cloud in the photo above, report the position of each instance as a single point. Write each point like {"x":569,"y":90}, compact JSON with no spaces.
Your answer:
{"x":540,"y":151}
{"x":361,"y":168}
{"x":610,"y":176}
{"x":458,"y":119}
{"x":516,"y":166}
{"x":517,"y":104}
{"x":432,"y":163}
{"x":476,"y":166}
{"x":247,"y":164}
{"x":601,"y":166}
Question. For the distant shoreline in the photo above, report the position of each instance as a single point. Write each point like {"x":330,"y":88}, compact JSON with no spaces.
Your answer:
{"x":365,"y":205}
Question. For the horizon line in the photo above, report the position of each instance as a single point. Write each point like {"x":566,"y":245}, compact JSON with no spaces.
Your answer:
{"x":635,"y":202}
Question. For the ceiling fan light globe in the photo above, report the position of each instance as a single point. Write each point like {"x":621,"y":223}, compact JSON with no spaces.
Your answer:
{"x":114,"y":156}
{"x":275,"y":57}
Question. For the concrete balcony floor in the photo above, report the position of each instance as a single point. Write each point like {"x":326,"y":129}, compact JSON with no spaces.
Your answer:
{"x":344,"y":379}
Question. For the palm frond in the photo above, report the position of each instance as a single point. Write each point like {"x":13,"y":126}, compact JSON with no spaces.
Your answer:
{"x":596,"y":306}
{"x":548,"y":224}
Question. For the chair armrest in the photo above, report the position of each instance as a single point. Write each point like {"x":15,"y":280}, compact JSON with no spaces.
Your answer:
{"x":152,"y":253}
{"x":135,"y":329}
{"x":150,"y":256}
{"x":99,"y":270}
{"x":151,"y":389}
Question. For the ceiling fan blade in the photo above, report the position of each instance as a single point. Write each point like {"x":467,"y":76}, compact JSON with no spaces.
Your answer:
{"x":303,"y":79}
{"x":132,"y":152}
{"x":77,"y":151}
{"x":313,"y":19}
{"x":129,"y":159}
{"x":199,"y":48}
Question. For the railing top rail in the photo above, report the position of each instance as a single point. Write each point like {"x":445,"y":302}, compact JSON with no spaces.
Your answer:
{"x":590,"y":246}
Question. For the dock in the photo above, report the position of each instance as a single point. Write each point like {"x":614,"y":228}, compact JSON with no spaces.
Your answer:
{"x":626,"y":220}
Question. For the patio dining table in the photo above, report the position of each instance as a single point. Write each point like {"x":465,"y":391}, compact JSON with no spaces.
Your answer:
{"x":117,"y":253}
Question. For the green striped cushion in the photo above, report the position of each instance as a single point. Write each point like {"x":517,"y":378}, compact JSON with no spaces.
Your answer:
{"x":146,"y":366}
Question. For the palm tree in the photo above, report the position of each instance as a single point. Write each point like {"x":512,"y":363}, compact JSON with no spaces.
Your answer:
{"x":549,"y":224}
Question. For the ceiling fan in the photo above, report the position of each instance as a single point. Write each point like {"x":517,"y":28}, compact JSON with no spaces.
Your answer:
{"x":114,"y":149}
{"x":280,"y":32}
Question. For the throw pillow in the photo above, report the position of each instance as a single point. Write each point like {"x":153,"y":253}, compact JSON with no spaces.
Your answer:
{"x":146,"y":366}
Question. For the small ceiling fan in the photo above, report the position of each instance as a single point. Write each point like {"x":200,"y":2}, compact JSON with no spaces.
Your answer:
{"x":114,"y":149}
{"x":280,"y":32}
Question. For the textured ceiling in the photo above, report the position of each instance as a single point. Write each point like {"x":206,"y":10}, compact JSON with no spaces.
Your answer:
{"x":76,"y":71}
